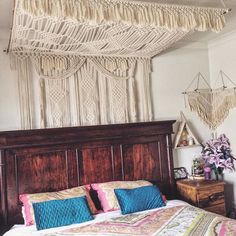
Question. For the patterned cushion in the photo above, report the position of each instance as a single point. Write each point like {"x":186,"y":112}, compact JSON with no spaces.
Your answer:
{"x":139,"y":199}
{"x":56,"y":213}
{"x":106,"y":193}
{"x":28,"y":199}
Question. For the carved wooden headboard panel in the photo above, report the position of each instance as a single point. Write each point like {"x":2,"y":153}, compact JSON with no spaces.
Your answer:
{"x":55,"y":159}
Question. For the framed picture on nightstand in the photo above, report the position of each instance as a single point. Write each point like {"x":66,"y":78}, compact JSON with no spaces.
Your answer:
{"x":180,"y":173}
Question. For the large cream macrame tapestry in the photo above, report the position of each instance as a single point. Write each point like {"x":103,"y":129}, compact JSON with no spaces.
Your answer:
{"x":93,"y":57}
{"x":94,"y":90}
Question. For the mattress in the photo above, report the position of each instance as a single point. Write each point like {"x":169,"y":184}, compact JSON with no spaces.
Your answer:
{"x":176,"y":218}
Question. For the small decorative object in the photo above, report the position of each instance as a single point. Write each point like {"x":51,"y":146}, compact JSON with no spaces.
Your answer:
{"x":207,"y":172}
{"x":180,"y":173}
{"x":185,"y":136}
{"x":190,"y":141}
{"x":198,"y":169}
{"x":217,"y":155}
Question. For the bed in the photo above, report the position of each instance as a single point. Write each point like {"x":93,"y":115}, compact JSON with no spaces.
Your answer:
{"x":48,"y":160}
{"x":176,"y":218}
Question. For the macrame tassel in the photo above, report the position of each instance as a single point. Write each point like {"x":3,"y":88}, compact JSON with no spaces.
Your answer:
{"x":212,"y":107}
{"x":59,"y":67}
{"x":156,"y":15}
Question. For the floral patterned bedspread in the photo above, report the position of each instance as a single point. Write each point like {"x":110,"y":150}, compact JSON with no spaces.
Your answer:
{"x":175,"y":221}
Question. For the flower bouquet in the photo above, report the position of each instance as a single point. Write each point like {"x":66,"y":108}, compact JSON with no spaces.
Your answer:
{"x":217,"y":155}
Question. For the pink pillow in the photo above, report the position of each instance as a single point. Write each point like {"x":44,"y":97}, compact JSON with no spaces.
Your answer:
{"x":28,"y":199}
{"x":106,"y":193}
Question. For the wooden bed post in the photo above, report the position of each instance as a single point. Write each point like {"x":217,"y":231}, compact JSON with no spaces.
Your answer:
{"x":3,"y":205}
{"x":170,"y":163}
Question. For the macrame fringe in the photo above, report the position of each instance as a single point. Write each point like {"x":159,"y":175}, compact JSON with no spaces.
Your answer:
{"x":61,"y":67}
{"x":214,"y":119}
{"x":25,"y":84}
{"x":213,"y":113}
{"x":140,"y":14}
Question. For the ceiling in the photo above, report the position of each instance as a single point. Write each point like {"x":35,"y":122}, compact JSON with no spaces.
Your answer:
{"x":6,"y":7}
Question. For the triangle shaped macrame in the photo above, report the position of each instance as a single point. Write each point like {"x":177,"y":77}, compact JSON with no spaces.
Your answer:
{"x":185,"y":136}
{"x":212,"y":105}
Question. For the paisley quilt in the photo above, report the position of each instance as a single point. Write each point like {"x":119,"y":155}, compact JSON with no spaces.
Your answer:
{"x":175,"y":221}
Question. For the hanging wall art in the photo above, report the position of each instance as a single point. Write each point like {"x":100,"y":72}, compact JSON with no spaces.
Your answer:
{"x":212,"y":105}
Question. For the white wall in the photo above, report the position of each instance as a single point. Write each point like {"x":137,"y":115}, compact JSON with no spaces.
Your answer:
{"x":222,"y":56}
{"x":9,"y":108}
{"x":172,"y":73}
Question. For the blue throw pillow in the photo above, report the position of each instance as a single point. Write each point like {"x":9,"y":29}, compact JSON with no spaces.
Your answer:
{"x":139,"y":199}
{"x":56,"y":213}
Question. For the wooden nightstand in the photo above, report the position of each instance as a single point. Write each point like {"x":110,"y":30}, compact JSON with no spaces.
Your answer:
{"x":205,"y":194}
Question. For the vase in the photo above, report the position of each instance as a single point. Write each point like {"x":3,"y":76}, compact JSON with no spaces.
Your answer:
{"x":218,"y":176}
{"x":207,"y":172}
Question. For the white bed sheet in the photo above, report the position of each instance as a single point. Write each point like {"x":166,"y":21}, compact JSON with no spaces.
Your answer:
{"x":21,"y":230}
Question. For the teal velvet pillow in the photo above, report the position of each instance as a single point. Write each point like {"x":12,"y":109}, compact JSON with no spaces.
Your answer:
{"x":56,"y":213}
{"x":139,"y":199}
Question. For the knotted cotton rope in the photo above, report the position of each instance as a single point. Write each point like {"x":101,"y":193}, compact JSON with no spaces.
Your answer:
{"x":212,"y":105}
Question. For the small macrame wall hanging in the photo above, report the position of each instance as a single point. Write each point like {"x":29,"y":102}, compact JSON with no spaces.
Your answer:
{"x":211,"y":105}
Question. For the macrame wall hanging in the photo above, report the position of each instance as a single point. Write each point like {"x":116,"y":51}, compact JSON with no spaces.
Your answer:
{"x":212,"y":105}
{"x":93,"y":57}
{"x":92,"y":91}
{"x":106,"y":27}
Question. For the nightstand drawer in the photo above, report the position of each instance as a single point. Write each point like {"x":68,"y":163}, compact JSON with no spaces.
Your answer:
{"x":218,"y":209}
{"x":210,"y":198}
{"x":205,"y":192}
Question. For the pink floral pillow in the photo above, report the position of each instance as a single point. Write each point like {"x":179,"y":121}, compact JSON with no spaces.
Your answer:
{"x":28,"y":199}
{"x":106,"y":193}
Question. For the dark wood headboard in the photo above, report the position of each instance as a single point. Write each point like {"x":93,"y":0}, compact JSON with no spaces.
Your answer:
{"x":54,"y":159}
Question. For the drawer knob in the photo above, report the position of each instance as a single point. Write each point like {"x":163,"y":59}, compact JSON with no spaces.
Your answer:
{"x":214,"y":197}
